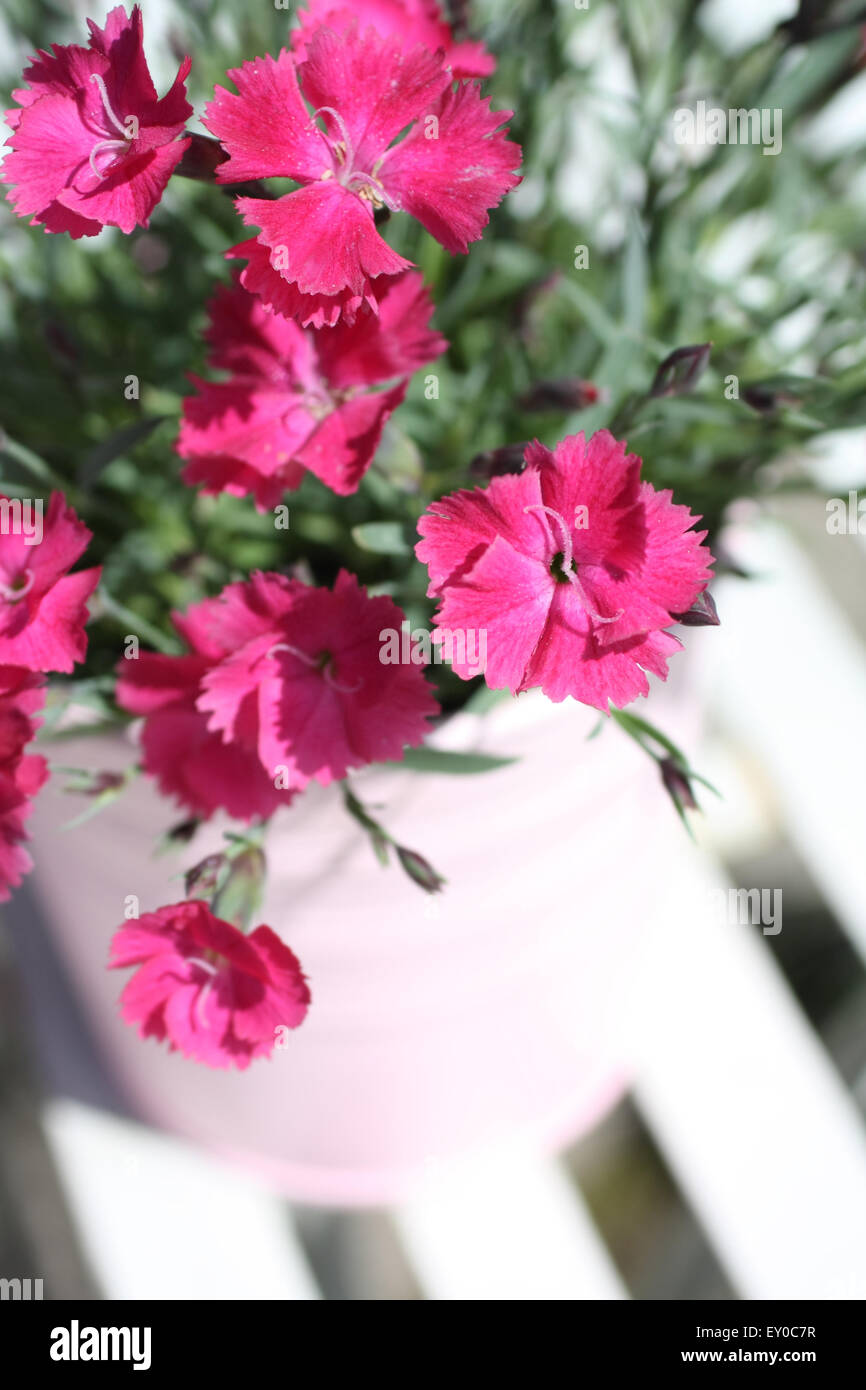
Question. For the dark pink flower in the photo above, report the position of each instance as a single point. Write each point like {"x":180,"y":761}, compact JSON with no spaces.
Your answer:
{"x":324,"y":701}
{"x":43,"y":608}
{"x":411,"y":21}
{"x":299,"y":399}
{"x":92,"y":144}
{"x":197,"y":767}
{"x":21,"y":774}
{"x":206,"y":988}
{"x":284,"y":685}
{"x":323,"y":250}
{"x":573,"y":570}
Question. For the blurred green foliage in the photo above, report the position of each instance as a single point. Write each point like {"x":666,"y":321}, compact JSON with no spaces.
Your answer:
{"x":761,"y":257}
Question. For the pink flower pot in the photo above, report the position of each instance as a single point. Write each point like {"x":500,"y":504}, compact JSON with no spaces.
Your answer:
{"x":439,"y":1024}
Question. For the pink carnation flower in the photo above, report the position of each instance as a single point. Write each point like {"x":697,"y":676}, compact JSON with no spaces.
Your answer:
{"x":21,"y":774}
{"x":213,"y":993}
{"x":298,"y":399}
{"x":324,"y":700}
{"x":573,"y":569}
{"x":198,"y":768}
{"x":284,"y":685}
{"x":43,"y":608}
{"x":412,"y":21}
{"x":323,"y":250}
{"x":92,"y":144}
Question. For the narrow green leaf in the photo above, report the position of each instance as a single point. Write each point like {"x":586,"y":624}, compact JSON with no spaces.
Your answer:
{"x":381,"y":538}
{"x":459,"y":764}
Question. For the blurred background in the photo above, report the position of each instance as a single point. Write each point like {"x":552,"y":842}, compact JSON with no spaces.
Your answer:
{"x":730,"y":1159}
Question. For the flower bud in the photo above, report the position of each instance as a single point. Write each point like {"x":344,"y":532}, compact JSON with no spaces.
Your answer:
{"x":493,"y":462}
{"x":677,"y":784}
{"x":702,"y":613}
{"x":202,"y":879}
{"x":419,"y":870}
{"x":680,"y":370}
{"x":568,"y":393}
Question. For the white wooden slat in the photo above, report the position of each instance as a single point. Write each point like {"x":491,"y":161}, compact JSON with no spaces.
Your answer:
{"x":160,"y":1219}
{"x":505,"y":1225}
{"x":741,"y":1097}
{"x":790,"y":682}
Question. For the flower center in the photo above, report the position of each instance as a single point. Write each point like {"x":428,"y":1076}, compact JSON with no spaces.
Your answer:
{"x":127,"y":130}
{"x":557,"y":568}
{"x":363,"y":182}
{"x":562,"y":566}
{"x":323,"y":661}
{"x":15,"y":590}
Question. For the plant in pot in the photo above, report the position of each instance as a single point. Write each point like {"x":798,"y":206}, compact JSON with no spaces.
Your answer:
{"x":352,"y":488}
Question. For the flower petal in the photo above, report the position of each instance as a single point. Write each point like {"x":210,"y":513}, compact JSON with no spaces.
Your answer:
{"x":377,"y":86}
{"x":450,"y":174}
{"x":266,"y":128}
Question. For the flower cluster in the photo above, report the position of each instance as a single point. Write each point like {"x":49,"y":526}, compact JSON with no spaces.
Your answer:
{"x":43,"y":609}
{"x":572,"y":569}
{"x":299,"y":400}
{"x":283,"y":685}
{"x":21,"y":774}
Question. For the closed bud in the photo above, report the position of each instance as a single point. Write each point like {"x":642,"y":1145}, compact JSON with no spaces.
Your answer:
{"x":494,"y":462}
{"x":201,"y":880}
{"x":569,"y":393}
{"x":702,"y":613}
{"x":240,"y":894}
{"x":183,"y":832}
{"x":765,"y":399}
{"x":201,"y":158}
{"x":677,"y":784}
{"x":680,"y":370}
{"x":419,"y":870}
{"x":87,"y":783}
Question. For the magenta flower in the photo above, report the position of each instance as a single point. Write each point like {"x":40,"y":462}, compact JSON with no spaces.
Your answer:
{"x":21,"y":774}
{"x":92,"y":144}
{"x":411,"y":21}
{"x":297,"y":398}
{"x":284,"y":685}
{"x":323,"y":250}
{"x":213,"y":993}
{"x":312,"y":694}
{"x":198,"y":768}
{"x":43,"y":608}
{"x":573,"y":569}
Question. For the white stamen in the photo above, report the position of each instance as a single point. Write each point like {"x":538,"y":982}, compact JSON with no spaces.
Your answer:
{"x":316,"y":662}
{"x":97,"y":149}
{"x":115,"y":120}
{"x":341,"y":124}
{"x":567,"y":545}
{"x":295,"y":651}
{"x":568,"y":567}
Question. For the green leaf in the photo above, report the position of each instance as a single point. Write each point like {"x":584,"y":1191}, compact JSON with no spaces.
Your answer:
{"x":137,"y":625}
{"x":114,"y":447}
{"x":455,"y":764}
{"x":381,"y":538}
